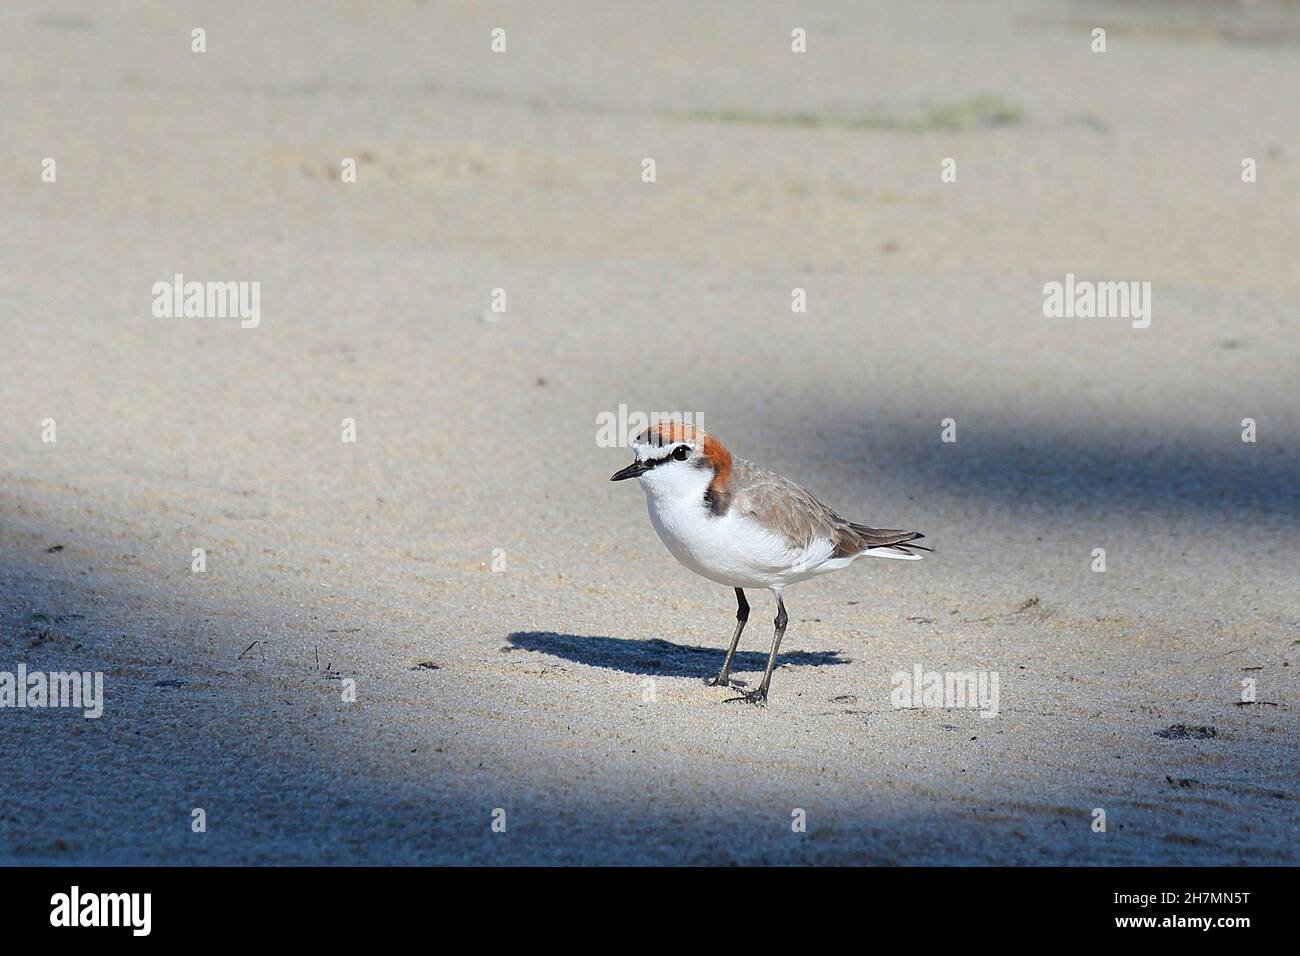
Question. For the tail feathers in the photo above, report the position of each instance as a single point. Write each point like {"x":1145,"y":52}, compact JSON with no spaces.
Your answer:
{"x":883,"y":542}
{"x":901,"y":553}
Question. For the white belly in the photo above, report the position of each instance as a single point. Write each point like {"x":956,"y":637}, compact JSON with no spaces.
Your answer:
{"x":734,"y":549}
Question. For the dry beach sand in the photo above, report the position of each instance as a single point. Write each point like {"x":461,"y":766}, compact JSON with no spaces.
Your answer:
{"x":525,"y":689}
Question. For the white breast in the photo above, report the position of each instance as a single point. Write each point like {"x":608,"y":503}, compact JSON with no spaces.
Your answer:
{"x":731,"y":549}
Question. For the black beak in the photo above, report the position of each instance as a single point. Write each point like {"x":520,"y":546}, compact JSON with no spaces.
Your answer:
{"x":631,"y":471}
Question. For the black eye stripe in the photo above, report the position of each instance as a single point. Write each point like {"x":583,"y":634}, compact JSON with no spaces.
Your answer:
{"x":656,"y":462}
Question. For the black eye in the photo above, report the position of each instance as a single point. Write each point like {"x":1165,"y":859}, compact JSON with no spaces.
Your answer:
{"x":680,"y":452}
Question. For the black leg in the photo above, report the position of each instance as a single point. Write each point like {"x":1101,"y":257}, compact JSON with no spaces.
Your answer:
{"x":759,"y":696}
{"x":742,"y":615}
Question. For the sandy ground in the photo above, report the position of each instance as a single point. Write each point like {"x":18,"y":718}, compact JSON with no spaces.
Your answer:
{"x":371,"y":562}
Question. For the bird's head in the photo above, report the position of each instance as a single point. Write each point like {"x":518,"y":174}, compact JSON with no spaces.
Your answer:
{"x":674,"y":458}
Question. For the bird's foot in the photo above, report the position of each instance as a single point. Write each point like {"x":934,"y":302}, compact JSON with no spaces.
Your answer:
{"x":756,"y":697}
{"x":722,"y":680}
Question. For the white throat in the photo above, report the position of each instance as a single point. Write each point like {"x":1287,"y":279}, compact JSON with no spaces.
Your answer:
{"x":676,"y":483}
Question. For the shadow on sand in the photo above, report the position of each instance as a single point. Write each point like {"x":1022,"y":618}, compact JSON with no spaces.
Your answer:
{"x":1097,"y":471}
{"x":655,"y":656}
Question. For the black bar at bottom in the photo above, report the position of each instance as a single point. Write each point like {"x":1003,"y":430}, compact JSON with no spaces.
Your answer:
{"x":305,"y":905}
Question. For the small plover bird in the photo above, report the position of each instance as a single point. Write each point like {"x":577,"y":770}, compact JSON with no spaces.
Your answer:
{"x":740,"y":525}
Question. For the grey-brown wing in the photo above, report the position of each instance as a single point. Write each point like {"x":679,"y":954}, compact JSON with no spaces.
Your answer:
{"x":783,"y":506}
{"x":801,"y":517}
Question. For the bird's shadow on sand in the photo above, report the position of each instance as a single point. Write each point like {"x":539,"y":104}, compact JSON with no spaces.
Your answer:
{"x":655,"y":656}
